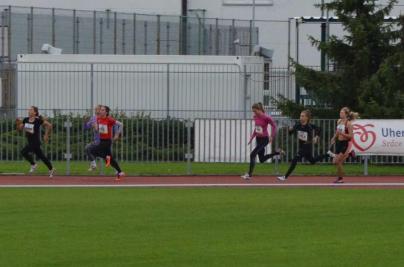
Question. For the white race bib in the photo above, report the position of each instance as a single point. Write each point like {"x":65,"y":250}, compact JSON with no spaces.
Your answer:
{"x":103,"y":129}
{"x":302,"y":136}
{"x":29,"y":128}
{"x":341,"y":128}
{"x":258,"y":129}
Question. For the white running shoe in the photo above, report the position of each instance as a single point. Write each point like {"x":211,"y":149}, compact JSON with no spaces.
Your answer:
{"x":119,"y":176}
{"x":282,"y":178}
{"x":93,"y":166}
{"x":246,"y":176}
{"x":329,"y":153}
{"x":280,"y":151}
{"x":52,"y":172}
{"x":33,"y":168}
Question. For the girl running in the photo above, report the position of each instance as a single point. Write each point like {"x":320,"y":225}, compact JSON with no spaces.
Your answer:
{"x":31,"y":125}
{"x":90,"y":147}
{"x":308,"y":134}
{"x":342,"y":140}
{"x":262,"y":137}
{"x":104,"y":126}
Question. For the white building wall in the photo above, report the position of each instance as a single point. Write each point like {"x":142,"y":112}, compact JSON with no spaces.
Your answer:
{"x":175,"y":86}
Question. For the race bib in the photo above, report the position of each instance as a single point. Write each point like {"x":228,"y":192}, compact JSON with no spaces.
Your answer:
{"x":29,"y":128}
{"x":302,"y":135}
{"x":258,"y":129}
{"x":103,"y":129}
{"x":341,"y":128}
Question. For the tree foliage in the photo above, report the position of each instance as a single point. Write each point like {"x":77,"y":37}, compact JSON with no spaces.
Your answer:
{"x":368,"y":73}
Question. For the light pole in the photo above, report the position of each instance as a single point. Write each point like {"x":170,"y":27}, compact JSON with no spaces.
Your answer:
{"x":253,"y":20}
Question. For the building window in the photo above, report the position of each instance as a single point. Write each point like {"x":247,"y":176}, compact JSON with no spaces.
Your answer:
{"x":247,"y":2}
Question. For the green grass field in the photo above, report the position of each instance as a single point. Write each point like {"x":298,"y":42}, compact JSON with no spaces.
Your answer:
{"x":201,"y":227}
{"x":180,"y":168}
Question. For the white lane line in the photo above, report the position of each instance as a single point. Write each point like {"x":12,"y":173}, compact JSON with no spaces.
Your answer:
{"x":201,"y":185}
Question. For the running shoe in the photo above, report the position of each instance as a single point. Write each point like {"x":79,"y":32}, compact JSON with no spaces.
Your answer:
{"x":108,"y":161}
{"x":93,"y":166}
{"x":329,"y":153}
{"x":282,"y":178}
{"x":52,"y":172}
{"x":33,"y":168}
{"x":280,"y":151}
{"x":246,"y":176}
{"x":119,"y":176}
{"x":339,"y":180}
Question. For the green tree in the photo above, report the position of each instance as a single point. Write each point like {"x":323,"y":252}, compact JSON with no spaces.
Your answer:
{"x":368,"y":61}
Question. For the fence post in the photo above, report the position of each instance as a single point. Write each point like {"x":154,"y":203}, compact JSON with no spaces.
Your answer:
{"x":53,"y":27}
{"x":94,"y":32}
{"x":92,"y":86}
{"x":68,"y":155}
{"x":101,"y":34}
{"x":366,"y":166}
{"x":188,"y":155}
{"x":168,"y":91}
{"x":158,"y":39}
{"x":134,"y":34}
{"x":9,"y":34}
{"x":74,"y":31}
{"x":217,"y":41}
{"x":31,"y":30}
{"x":245,"y":87}
{"x":115,"y":34}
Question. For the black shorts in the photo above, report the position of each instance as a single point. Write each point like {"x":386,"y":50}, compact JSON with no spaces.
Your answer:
{"x":341,"y":146}
{"x":102,"y":149}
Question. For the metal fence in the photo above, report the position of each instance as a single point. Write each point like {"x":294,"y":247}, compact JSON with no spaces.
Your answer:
{"x":174,"y":140}
{"x":25,"y":29}
{"x":178,"y":90}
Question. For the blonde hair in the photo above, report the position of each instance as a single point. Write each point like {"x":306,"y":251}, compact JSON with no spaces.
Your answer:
{"x":258,"y":106}
{"x":350,"y":114}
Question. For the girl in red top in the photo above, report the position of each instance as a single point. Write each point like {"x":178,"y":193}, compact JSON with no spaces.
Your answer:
{"x":104,"y":126}
{"x":342,"y":138}
{"x":262,"y":137}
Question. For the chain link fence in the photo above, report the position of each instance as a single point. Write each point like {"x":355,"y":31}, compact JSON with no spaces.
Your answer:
{"x":25,"y":29}
{"x":147,"y":139}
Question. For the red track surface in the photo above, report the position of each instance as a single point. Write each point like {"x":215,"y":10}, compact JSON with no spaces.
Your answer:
{"x":200,"y":181}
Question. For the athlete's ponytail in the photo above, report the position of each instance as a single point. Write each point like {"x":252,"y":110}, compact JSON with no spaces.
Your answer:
{"x":107,"y":110}
{"x":350,"y":114}
{"x":353,"y":116}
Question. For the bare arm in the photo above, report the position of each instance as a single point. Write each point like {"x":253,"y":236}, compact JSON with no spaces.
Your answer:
{"x":19,"y":124}
{"x":48,"y":128}
{"x":120,"y":129}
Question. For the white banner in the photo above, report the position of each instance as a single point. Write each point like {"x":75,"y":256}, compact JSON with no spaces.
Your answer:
{"x":224,"y":140}
{"x":378,"y":137}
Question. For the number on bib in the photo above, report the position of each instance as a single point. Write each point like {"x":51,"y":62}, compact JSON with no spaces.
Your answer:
{"x":103,"y":129}
{"x":29,"y":128}
{"x":341,"y":128}
{"x":302,"y":136}
{"x":258,"y":129}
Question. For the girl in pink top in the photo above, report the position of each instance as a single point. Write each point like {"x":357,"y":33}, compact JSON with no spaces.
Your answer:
{"x":262,"y":136}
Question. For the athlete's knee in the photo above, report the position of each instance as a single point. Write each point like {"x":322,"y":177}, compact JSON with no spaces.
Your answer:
{"x":261,"y":158}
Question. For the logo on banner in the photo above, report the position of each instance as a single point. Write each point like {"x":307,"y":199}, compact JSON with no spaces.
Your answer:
{"x":363,"y":136}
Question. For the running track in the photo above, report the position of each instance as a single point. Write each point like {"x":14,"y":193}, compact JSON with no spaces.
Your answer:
{"x":390,"y":182}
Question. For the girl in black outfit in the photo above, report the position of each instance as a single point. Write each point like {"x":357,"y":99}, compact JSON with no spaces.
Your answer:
{"x":31,"y":125}
{"x":308,"y":134}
